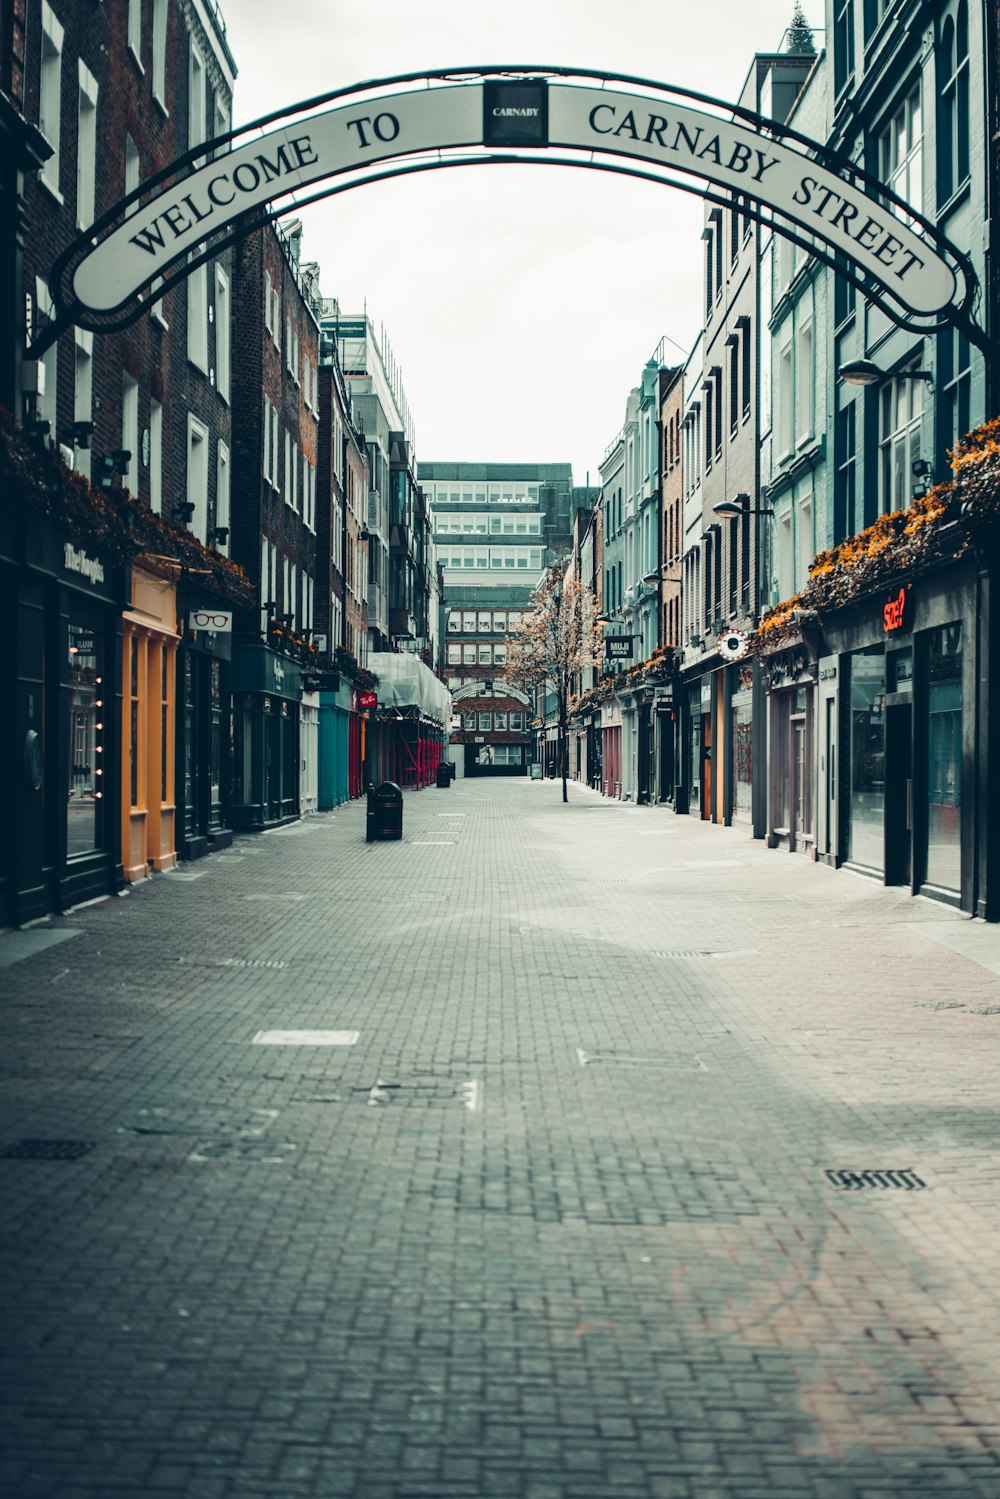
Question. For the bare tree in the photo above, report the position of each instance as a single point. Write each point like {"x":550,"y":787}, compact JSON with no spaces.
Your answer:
{"x":554,"y":643}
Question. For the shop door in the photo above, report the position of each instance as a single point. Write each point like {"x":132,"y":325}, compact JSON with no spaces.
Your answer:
{"x":898,"y":793}
{"x":706,"y":765}
{"x":800,"y":799}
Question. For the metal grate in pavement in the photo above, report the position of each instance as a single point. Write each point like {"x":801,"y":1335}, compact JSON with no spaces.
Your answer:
{"x":234,"y":962}
{"x":854,"y":1181}
{"x":46,"y":1150}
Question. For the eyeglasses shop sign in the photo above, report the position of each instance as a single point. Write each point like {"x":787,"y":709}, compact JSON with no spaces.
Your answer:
{"x":218,"y":620}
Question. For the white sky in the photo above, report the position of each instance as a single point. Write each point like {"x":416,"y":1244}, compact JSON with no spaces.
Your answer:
{"x":521,"y":303}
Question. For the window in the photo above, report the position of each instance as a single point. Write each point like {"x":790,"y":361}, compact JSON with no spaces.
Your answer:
{"x":485,"y":655}
{"x":222,"y":496}
{"x":50,"y":95}
{"x":845,"y":296}
{"x":900,"y":414}
{"x":843,"y":44}
{"x":785,"y":578}
{"x":267,"y":440}
{"x":454,"y":622}
{"x":131,"y":173}
{"x":485,"y":722}
{"x":901,"y":153}
{"x":847,"y":522}
{"x":956,"y":378}
{"x":130,"y":432}
{"x":454,"y":655}
{"x":469,"y":623}
{"x":197,"y":106}
{"x":469,"y":721}
{"x":222,"y":335}
{"x":786,"y":400}
{"x":734,"y":385}
{"x":953,"y":105}
{"x":469,"y":655}
{"x":500,"y":655}
{"x":517,"y":722}
{"x":135,"y":30}
{"x":197,"y":476}
{"x":83,"y":392}
{"x":500,"y":723}
{"x":804,"y":379}
{"x":160,"y":52}
{"x":197,"y":319}
{"x":268,"y":303}
{"x":86,"y":148}
{"x":805,"y":547}
{"x":155,"y":457}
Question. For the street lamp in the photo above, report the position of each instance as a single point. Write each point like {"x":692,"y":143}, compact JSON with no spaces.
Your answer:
{"x":732,"y":510}
{"x":866,"y":373}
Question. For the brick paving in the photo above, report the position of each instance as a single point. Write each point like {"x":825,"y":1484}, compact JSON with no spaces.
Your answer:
{"x":558,"y":1225}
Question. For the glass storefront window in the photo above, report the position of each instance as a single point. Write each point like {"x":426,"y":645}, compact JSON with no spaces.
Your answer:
{"x":866,"y":833}
{"x":85,"y":741}
{"x":944,"y":757}
{"x":742,"y":727}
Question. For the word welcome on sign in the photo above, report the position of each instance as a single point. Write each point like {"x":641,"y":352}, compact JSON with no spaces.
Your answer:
{"x":531,"y":113}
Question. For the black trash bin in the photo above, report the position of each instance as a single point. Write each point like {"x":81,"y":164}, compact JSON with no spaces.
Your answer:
{"x":444,"y":774}
{"x":385,"y":812}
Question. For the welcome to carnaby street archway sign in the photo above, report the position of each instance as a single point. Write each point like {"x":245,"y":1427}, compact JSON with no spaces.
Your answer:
{"x":224,"y":189}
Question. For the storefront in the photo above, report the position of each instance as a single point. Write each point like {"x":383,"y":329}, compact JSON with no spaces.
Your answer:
{"x":149,"y":684}
{"x":334,"y":726}
{"x":741,"y":734}
{"x":263,"y":739}
{"x":611,"y":748}
{"x":790,"y":679}
{"x":61,"y":607}
{"x":202,"y":695}
{"x":899,"y":742}
{"x":309,"y":752}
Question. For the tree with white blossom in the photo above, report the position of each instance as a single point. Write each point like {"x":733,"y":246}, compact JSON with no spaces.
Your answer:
{"x":553,"y":644}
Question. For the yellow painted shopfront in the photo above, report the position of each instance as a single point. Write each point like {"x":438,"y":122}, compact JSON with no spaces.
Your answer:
{"x":149,"y":674}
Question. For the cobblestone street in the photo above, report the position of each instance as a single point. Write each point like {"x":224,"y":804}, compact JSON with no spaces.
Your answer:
{"x":622,"y":1157}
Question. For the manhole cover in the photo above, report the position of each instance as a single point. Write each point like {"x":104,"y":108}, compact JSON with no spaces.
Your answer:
{"x":269,"y":1152}
{"x":854,"y":1181}
{"x":46,"y":1150}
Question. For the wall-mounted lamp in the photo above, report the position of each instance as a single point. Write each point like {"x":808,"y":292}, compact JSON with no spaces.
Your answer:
{"x":733,"y":509}
{"x":79,"y":435}
{"x":219,"y":533}
{"x":186,"y":511}
{"x":866,"y":373}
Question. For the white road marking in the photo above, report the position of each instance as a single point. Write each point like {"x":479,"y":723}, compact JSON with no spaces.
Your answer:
{"x":306,"y":1038}
{"x":472,"y":1095}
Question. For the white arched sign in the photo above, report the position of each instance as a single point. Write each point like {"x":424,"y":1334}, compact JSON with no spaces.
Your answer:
{"x":798,"y":185}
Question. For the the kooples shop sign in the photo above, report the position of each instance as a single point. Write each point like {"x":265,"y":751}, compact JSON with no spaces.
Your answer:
{"x":521,"y":113}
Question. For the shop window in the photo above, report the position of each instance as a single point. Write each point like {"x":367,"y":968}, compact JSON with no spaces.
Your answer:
{"x":86,"y":739}
{"x":944,"y":757}
{"x":867,"y":787}
{"x":134,"y":739}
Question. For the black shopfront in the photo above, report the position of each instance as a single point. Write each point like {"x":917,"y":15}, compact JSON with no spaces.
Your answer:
{"x":903,"y":752}
{"x":263,"y":739}
{"x":201,"y":723}
{"x":61,"y":609}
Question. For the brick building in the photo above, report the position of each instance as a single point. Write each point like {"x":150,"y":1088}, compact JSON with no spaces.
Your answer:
{"x":275,"y":723}
{"x":341,"y":620}
{"x":104,"y":99}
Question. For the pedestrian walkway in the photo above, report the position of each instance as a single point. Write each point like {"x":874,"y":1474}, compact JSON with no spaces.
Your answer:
{"x":552,"y":1152}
